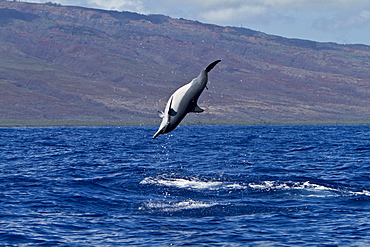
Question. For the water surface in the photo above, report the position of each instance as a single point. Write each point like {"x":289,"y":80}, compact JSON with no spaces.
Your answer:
{"x":218,"y":185}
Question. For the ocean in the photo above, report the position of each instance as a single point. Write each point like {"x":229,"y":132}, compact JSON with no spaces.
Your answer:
{"x":196,"y":186}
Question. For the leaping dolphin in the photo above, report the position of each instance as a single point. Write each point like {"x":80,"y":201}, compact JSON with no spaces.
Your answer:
{"x":183,"y":101}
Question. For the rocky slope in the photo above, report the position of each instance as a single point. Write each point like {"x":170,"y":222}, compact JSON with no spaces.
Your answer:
{"x":71,"y":64}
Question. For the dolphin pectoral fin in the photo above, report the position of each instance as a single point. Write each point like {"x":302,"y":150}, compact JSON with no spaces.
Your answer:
{"x":160,"y":114}
{"x":172,"y":112}
{"x":197,"y":109}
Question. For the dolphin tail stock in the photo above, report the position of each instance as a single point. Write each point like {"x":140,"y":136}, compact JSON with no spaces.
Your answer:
{"x":212,"y":65}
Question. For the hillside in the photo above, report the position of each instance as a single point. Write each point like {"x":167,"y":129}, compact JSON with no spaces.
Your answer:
{"x":69,"y":65}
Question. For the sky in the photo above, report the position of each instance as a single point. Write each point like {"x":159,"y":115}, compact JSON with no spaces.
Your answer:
{"x":340,"y":21}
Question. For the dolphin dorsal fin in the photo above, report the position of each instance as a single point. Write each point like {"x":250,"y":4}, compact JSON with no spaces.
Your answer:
{"x":196,"y":109}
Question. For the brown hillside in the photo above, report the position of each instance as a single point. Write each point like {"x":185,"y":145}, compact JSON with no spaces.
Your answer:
{"x":69,"y":64}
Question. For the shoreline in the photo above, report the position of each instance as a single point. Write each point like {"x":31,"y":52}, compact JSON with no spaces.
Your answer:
{"x":75,"y":123}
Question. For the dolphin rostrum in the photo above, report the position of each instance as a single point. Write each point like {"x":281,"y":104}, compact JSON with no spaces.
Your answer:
{"x":183,"y":101}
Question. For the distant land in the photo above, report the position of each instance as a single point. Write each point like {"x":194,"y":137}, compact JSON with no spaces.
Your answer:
{"x":63,"y":65}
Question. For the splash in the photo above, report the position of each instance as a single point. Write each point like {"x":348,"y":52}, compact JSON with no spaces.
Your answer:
{"x":176,"y":206}
{"x":190,"y":183}
{"x":289,"y":185}
{"x":306,"y":189}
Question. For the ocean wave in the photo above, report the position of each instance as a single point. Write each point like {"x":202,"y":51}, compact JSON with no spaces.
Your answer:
{"x":190,"y":183}
{"x":361,"y":193}
{"x":176,"y":206}
{"x":289,"y":185}
{"x":306,"y":189}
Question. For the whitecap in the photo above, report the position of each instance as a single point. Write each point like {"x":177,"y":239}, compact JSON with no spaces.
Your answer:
{"x":269,"y":185}
{"x":190,"y":183}
{"x":307,"y":189}
{"x":361,"y":193}
{"x":176,"y":206}
{"x":182,"y":183}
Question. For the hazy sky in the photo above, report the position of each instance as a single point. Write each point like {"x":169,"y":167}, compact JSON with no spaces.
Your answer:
{"x":341,"y":21}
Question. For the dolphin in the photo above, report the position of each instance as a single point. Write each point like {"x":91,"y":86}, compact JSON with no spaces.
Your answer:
{"x":183,"y":101}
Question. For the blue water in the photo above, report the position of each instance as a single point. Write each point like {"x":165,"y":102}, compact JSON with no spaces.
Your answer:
{"x":225,"y":186}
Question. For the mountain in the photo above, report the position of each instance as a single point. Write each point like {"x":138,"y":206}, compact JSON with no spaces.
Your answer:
{"x":63,"y":65}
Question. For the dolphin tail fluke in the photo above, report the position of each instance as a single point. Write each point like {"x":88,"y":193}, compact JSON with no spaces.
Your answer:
{"x":212,"y":65}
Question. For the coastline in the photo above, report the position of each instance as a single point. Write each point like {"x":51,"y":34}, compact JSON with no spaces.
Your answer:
{"x":75,"y":123}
